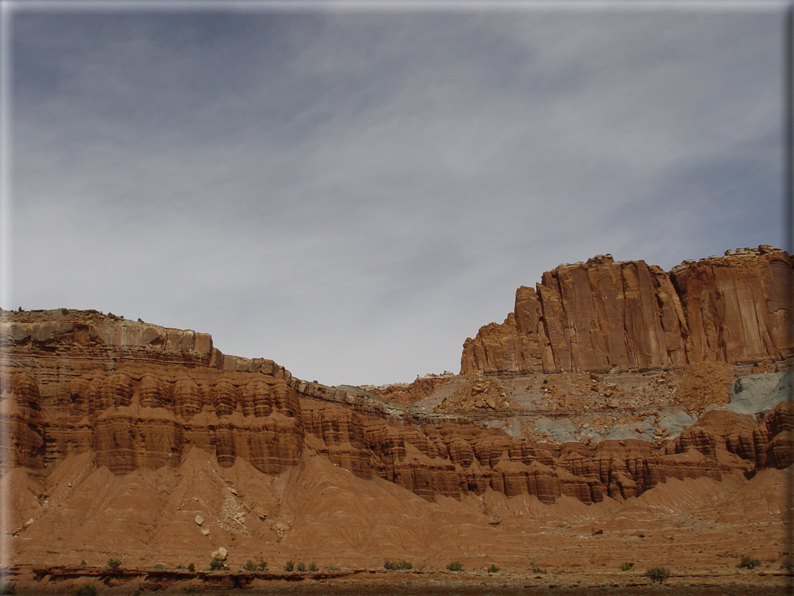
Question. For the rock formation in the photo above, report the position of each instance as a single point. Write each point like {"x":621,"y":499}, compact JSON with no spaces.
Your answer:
{"x":138,"y":396}
{"x":407,"y":394}
{"x":605,"y":315}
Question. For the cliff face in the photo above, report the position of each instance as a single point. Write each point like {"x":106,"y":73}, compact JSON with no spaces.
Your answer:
{"x":604,"y":315}
{"x":138,"y":396}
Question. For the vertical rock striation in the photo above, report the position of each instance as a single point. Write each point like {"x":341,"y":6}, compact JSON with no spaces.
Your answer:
{"x":137,"y":396}
{"x":605,"y":315}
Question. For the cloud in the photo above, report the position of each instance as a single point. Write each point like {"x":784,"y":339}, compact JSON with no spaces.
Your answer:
{"x":354,"y":193}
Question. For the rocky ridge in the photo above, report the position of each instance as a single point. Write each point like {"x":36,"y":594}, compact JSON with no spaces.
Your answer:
{"x":611,"y":316}
{"x":139,"y":396}
{"x":148,"y":443}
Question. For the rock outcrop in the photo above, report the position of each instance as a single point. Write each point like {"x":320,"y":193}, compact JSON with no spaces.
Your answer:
{"x":137,"y":396}
{"x":407,"y":394}
{"x":605,"y":315}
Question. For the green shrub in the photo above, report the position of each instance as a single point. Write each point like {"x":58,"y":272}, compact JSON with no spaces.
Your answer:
{"x":159,"y":567}
{"x":747,"y":562}
{"x":301,"y":567}
{"x":216,"y":565}
{"x":262,"y":565}
{"x":455,"y":566}
{"x":493,"y":569}
{"x":313,"y":567}
{"x":332,"y":569}
{"x":83,"y":563}
{"x":250,"y":565}
{"x":191,"y":568}
{"x":289,"y":566}
{"x":114,"y":563}
{"x":536,"y":569}
{"x":8,"y":588}
{"x":85,"y":590}
{"x":627,"y":566}
{"x":397,"y":565}
{"x":658,"y":574}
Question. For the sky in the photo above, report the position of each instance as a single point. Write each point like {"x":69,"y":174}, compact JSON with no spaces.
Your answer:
{"x":353,"y":190}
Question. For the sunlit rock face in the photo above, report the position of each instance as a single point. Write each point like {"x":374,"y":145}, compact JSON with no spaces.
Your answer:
{"x":605,"y":315}
{"x":137,"y":396}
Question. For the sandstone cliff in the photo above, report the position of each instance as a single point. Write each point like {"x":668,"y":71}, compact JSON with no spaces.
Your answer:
{"x":605,"y":315}
{"x":138,"y":397}
{"x":148,"y":443}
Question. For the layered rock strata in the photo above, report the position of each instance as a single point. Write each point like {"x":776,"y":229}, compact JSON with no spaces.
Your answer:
{"x":605,"y":315}
{"x":137,"y":396}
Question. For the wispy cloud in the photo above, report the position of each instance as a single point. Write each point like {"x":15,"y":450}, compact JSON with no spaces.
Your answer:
{"x":354,"y":193}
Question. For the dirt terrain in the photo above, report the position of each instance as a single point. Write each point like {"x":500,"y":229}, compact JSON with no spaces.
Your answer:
{"x":320,"y":513}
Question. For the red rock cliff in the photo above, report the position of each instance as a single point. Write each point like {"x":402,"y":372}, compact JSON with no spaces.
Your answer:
{"x":605,"y":315}
{"x":137,"y":396}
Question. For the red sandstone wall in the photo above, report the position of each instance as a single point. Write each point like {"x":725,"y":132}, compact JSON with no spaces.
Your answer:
{"x":137,"y":395}
{"x":605,"y":315}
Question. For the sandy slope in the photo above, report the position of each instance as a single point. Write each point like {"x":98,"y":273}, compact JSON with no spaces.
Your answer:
{"x":318,"y":512}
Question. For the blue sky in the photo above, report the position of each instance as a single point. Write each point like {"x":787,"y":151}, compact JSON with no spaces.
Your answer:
{"x":352,"y":191}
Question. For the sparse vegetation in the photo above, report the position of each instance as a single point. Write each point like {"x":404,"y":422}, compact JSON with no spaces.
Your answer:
{"x":313,"y":567}
{"x":747,"y":562}
{"x":627,"y":566}
{"x":493,"y":569}
{"x":332,"y":569}
{"x":85,"y":590}
{"x":301,"y":567}
{"x":114,"y":563}
{"x":251,"y":566}
{"x":159,"y":567}
{"x":455,"y":566}
{"x":8,"y":588}
{"x":658,"y":574}
{"x":289,"y":566}
{"x":189,"y":590}
{"x":191,"y":568}
{"x":83,"y":563}
{"x":536,"y":569}
{"x":216,"y":565}
{"x":397,"y":565}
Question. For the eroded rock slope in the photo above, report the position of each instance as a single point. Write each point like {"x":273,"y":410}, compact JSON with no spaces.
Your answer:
{"x":138,"y":396}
